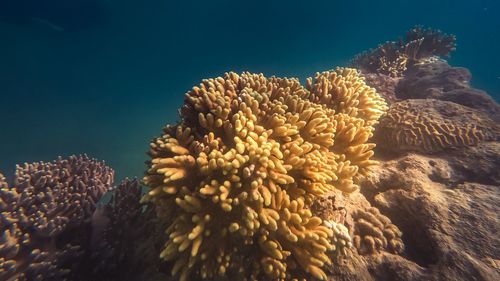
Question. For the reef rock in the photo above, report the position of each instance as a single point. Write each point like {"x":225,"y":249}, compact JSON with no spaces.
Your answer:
{"x":448,"y":215}
{"x":436,"y":79}
{"x":437,"y":183}
{"x":384,"y":84}
{"x":450,"y":225}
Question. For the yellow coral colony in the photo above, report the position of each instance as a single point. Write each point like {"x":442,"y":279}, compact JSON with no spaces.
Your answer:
{"x":236,"y":176}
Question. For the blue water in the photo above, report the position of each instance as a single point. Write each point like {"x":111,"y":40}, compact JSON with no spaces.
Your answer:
{"x":71,"y":86}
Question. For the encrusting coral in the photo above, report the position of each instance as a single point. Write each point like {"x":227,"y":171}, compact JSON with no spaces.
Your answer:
{"x":395,"y":57}
{"x":236,"y":177}
{"x":374,"y":232}
{"x":44,"y":215}
{"x":432,"y":126}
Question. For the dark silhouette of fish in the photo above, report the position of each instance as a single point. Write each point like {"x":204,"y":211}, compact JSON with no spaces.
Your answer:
{"x":58,"y":15}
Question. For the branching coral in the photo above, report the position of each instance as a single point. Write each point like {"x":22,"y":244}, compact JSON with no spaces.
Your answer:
{"x":236,"y":177}
{"x":345,"y":91}
{"x":427,"y":42}
{"x":432,"y":126}
{"x":114,"y":230}
{"x":341,"y":239}
{"x":374,"y":232}
{"x":393,"y":58}
{"x":45,"y":202}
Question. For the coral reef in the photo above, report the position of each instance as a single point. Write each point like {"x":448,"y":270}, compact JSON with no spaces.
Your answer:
{"x":438,"y":179}
{"x":236,"y":177}
{"x":266,"y":179}
{"x":394,"y":58}
{"x":44,"y":216}
{"x":430,"y":126}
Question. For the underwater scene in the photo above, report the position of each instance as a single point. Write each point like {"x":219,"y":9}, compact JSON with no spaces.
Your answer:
{"x":249,"y":140}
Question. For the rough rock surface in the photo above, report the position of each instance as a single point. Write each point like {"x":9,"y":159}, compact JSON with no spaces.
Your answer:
{"x":446,"y":203}
{"x":384,"y":84}
{"x":436,"y":79}
{"x":450,"y":225}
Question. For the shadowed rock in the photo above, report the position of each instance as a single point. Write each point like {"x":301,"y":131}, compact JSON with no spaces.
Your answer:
{"x":438,"y":80}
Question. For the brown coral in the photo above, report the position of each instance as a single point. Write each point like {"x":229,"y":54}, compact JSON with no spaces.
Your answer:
{"x":395,"y":57}
{"x":432,"y":126}
{"x":236,"y":177}
{"x":46,"y":201}
{"x":427,"y":42}
{"x":117,"y":229}
{"x":374,"y":232}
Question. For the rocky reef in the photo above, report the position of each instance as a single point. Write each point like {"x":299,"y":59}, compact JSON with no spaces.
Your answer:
{"x":388,"y":172}
{"x":437,"y":180}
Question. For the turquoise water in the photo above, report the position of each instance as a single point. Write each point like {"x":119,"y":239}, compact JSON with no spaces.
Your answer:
{"x":107,"y":90}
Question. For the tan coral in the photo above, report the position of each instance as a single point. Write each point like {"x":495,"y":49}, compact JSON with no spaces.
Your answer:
{"x":432,"y":126}
{"x":345,"y":91}
{"x":374,"y":232}
{"x":236,"y":177}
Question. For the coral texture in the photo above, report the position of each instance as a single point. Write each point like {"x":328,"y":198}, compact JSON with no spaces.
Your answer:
{"x":433,"y":125}
{"x":374,"y":232}
{"x":235,"y":179}
{"x":394,"y":58}
{"x":341,"y":238}
{"x":43,"y":214}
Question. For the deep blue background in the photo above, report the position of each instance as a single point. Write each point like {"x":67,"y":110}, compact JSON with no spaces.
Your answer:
{"x":108,"y":90}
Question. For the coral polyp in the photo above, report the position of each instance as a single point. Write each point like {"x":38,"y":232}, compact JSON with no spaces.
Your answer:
{"x":236,"y":177}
